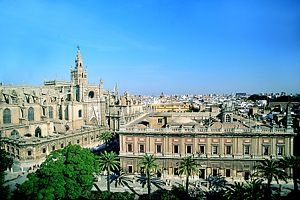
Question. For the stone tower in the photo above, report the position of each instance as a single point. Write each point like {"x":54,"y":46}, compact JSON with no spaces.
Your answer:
{"x":102,"y":104}
{"x":79,"y":77}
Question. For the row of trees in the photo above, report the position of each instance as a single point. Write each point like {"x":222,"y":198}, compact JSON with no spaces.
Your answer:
{"x":69,"y":173}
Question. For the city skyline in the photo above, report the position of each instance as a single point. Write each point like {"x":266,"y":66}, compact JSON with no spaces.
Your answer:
{"x":149,"y":47}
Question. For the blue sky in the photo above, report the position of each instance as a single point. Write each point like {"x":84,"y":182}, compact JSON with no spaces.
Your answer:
{"x":148,"y":46}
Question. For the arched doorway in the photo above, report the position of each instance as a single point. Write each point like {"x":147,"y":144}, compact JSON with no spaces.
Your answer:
{"x":38,"y":132}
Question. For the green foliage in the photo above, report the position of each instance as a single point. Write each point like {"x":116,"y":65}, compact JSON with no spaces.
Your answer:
{"x":293,"y":163}
{"x":5,"y":162}
{"x":107,"y":162}
{"x":216,"y":183}
{"x":116,"y":196}
{"x":106,"y":137}
{"x":150,"y":166}
{"x":188,"y":167}
{"x":66,"y":173}
{"x":270,"y":169}
{"x":253,"y":189}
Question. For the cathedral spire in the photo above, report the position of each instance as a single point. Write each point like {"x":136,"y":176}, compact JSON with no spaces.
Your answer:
{"x":78,"y":61}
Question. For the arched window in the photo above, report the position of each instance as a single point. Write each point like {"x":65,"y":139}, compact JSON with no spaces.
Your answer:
{"x":67,"y":113}
{"x":6,"y":116}
{"x":22,"y":113}
{"x":38,"y":132}
{"x":227,"y":118}
{"x":31,"y":114}
{"x":60,"y":112}
{"x":14,"y":134}
{"x":50,"y":112}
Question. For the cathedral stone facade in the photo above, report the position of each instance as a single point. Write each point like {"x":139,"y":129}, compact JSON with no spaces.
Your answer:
{"x":37,"y":120}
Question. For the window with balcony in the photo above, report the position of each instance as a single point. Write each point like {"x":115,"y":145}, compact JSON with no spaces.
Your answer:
{"x":176,"y":148}
{"x":266,"y":150}
{"x":280,"y":150}
{"x":188,"y":148}
{"x":214,"y":149}
{"x":142,"y":148}
{"x":246,"y":149}
{"x":228,"y":149}
{"x":202,"y":149}
{"x":129,"y":148}
{"x":158,"y":148}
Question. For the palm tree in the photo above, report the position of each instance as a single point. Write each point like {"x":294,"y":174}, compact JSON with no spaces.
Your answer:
{"x":293,"y":163}
{"x":122,"y":179}
{"x":149,"y":165}
{"x":270,"y":169}
{"x":109,"y":161}
{"x":187,"y":167}
{"x":236,"y":191}
{"x":105,"y":137}
{"x":255,"y":189}
{"x":251,"y":190}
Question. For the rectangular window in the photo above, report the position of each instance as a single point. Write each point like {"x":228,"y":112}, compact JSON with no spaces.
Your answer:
{"x":280,"y":150}
{"x":214,"y":149}
{"x":202,"y":149}
{"x":129,"y":169}
{"x":188,"y":148}
{"x":215,"y":172}
{"x":53,"y":148}
{"x":247,"y":175}
{"x":266,"y":150}
{"x":142,"y":148}
{"x":159,"y":121}
{"x":176,"y":148}
{"x":158,"y":148}
{"x":29,"y":153}
{"x":202,"y":173}
{"x":228,"y":149}
{"x":176,"y":171}
{"x":44,"y":150}
{"x":129,"y":147}
{"x":246,"y":149}
{"x":227,"y":173}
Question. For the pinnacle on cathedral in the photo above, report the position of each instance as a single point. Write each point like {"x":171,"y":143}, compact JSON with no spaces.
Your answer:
{"x":78,"y":61}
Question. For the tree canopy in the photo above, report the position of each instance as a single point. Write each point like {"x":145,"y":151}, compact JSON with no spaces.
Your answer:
{"x":5,"y":162}
{"x":187,"y":167}
{"x":66,"y":173}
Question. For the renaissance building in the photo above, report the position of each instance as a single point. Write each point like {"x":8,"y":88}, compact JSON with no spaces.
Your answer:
{"x":222,"y":143}
{"x":35,"y":121}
